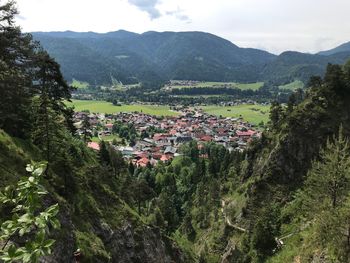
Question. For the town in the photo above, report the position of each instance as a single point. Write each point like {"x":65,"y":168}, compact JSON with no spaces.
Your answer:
{"x":146,"y":140}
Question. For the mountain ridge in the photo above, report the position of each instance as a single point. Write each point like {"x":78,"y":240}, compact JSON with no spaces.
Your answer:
{"x":149,"y":56}
{"x":345,"y":47}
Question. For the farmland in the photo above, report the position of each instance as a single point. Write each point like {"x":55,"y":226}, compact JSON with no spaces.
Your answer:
{"x":251,"y":113}
{"x":241,"y":86}
{"x":109,"y":108}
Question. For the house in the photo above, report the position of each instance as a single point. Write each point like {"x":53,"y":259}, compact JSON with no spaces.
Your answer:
{"x":142,"y":162}
{"x":245,"y":134}
{"x":126,"y":151}
{"x":206,"y":138}
{"x":94,"y":145}
{"x":165,"y":158}
{"x":170,"y":150}
{"x":109,"y":127}
{"x":183,"y":139}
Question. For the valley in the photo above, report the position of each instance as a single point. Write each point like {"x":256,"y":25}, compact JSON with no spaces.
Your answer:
{"x":174,"y":146}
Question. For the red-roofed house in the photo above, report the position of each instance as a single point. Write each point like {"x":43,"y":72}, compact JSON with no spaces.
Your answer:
{"x":94,"y":145}
{"x":109,"y":127}
{"x":245,"y":134}
{"x":206,"y":138}
{"x":142,"y":162}
{"x":165,"y":158}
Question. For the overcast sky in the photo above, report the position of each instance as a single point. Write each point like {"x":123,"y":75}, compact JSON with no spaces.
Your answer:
{"x":272,"y":25}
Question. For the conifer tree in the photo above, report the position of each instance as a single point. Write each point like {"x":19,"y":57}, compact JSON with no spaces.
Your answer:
{"x":328,"y":182}
{"x":16,"y":62}
{"x":86,"y":128}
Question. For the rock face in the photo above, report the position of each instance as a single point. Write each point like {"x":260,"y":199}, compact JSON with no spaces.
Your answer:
{"x":144,"y":245}
{"x":126,"y":244}
{"x":65,"y":242}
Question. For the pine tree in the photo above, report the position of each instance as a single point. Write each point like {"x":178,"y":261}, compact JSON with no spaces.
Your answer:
{"x":104,"y":154}
{"x":86,"y":128}
{"x":16,"y":64}
{"x":327,"y":201}
{"x":328,"y":182}
{"x":48,"y":106}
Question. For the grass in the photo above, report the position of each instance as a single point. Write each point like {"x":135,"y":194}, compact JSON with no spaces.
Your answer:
{"x":297,"y":84}
{"x":111,"y":138}
{"x":251,"y":113}
{"x":242,"y":86}
{"x":79,"y":84}
{"x":109,"y":108}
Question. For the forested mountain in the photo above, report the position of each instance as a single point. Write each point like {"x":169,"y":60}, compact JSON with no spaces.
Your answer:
{"x":168,"y":54}
{"x":293,"y":65}
{"x":342,"y":48}
{"x":131,"y":57}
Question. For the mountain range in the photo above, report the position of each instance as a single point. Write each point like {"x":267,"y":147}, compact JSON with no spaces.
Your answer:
{"x":100,"y":58}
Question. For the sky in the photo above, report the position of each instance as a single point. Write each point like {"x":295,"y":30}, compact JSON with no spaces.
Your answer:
{"x":272,"y":25}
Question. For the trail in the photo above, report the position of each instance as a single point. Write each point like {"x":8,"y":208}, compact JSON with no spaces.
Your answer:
{"x":228,"y":220}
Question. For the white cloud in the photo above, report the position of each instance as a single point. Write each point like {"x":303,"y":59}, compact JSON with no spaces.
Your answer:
{"x":148,"y":6}
{"x":275,"y":25}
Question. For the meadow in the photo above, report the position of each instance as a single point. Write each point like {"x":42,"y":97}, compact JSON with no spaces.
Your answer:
{"x":109,"y":108}
{"x":79,"y":84}
{"x":297,"y":84}
{"x":251,"y":113}
{"x":242,"y":86}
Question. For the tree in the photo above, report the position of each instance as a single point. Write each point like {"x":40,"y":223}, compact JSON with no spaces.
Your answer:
{"x":48,"y":131}
{"x":264,"y":233}
{"x":86,"y":129}
{"x":191,"y":150}
{"x":116,"y":160}
{"x":326,"y":198}
{"x":329,"y":179}
{"x":16,"y":64}
{"x":28,"y":223}
{"x":276,"y":115}
{"x":104,"y":154}
{"x":49,"y":108}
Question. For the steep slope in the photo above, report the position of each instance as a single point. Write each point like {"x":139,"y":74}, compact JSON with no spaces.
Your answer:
{"x":280,"y":162}
{"x":92,"y":216}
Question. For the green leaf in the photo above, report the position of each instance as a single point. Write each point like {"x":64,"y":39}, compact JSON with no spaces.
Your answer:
{"x":55,"y":223}
{"x":26,"y":218}
{"x":48,"y":243}
{"x":40,"y":236}
{"x":29,"y":168}
{"x":12,"y":251}
{"x":27,"y":257}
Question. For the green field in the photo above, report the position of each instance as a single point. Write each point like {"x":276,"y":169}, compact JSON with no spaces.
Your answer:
{"x":242,"y":86}
{"x":107,"y":107}
{"x":251,"y":113}
{"x":79,"y":84}
{"x":111,"y":138}
{"x":297,"y":84}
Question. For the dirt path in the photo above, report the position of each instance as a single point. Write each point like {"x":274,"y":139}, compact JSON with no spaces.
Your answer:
{"x":227,"y":218}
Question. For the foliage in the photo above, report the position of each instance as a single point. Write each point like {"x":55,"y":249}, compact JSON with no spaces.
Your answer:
{"x":28,"y":223}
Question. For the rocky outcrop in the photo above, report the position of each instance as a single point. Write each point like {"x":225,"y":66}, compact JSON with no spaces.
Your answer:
{"x":127,"y":244}
{"x":144,"y":244}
